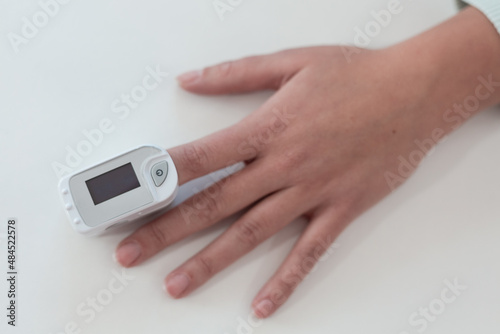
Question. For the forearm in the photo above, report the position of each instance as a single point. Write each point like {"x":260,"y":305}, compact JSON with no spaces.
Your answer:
{"x":452,"y":64}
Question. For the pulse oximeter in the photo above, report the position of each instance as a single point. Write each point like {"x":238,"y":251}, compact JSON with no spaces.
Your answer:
{"x":127,"y":188}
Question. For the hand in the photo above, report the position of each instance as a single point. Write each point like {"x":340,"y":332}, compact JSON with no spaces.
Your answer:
{"x":321,"y":147}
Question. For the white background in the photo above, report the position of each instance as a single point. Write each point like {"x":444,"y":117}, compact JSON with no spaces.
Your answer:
{"x":442,"y":224}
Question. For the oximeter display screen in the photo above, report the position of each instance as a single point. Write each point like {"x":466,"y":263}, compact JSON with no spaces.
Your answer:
{"x":113,"y":183}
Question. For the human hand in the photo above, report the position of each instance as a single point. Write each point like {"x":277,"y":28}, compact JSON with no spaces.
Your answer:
{"x":320,"y":147}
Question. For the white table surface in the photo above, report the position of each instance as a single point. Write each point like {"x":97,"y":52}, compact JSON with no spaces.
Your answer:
{"x":441,"y":225}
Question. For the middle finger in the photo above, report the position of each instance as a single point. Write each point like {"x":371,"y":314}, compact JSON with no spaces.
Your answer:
{"x":204,"y":209}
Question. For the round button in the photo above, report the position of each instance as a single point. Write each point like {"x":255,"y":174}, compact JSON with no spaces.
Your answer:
{"x":159,"y":173}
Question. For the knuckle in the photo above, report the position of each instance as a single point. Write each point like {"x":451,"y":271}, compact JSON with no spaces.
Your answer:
{"x":246,"y":62}
{"x":250,"y":232}
{"x":221,"y":70}
{"x":196,"y":157}
{"x":296,"y":273}
{"x":289,"y":281}
{"x":156,"y":235}
{"x":206,"y":264}
{"x":208,"y":206}
{"x":285,"y":287}
{"x":306,"y":251}
{"x":289,"y":161}
{"x":309,"y":256}
{"x":236,"y":69}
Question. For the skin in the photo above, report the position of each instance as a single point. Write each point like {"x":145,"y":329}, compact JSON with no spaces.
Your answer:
{"x":320,"y":147}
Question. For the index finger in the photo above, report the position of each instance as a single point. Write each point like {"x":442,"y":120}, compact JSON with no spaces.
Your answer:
{"x":216,"y":151}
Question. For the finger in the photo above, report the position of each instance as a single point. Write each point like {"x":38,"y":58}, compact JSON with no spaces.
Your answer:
{"x":265,"y":219}
{"x":315,"y":241}
{"x":244,"y":75}
{"x":197,"y":213}
{"x":219,"y":150}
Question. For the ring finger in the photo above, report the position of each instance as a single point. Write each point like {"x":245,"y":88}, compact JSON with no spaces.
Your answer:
{"x":262,"y":221}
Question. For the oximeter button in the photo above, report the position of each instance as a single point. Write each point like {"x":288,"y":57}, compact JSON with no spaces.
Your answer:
{"x":69,"y":206}
{"x":64,"y":191}
{"x":159,"y":173}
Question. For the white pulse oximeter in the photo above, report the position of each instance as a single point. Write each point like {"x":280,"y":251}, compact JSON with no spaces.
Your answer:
{"x":119,"y":190}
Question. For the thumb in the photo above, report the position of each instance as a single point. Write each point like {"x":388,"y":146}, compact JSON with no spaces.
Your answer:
{"x":244,"y":75}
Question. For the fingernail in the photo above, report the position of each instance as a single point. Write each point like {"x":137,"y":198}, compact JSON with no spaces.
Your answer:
{"x":177,"y":284}
{"x":263,"y":308}
{"x":128,"y":253}
{"x":189,"y":77}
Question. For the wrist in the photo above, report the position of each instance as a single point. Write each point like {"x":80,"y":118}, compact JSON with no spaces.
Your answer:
{"x":454,"y":70}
